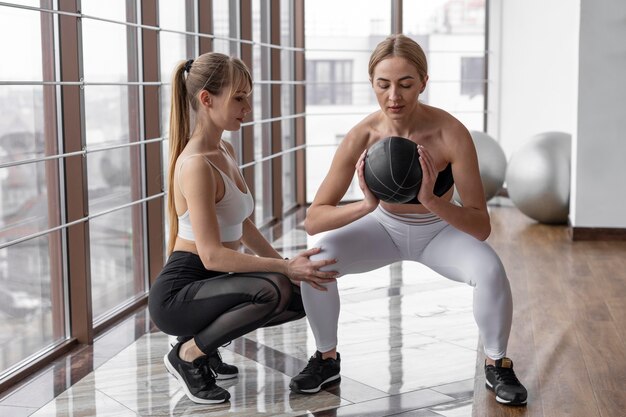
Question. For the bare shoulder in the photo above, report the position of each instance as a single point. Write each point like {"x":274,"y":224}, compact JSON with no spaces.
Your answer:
{"x":450,"y":126}
{"x":363,"y":133}
{"x":193,"y":169}
{"x":455,"y":136}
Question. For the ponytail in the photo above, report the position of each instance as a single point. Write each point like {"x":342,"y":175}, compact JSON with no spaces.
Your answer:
{"x":178,"y":138}
{"x":212,"y":72}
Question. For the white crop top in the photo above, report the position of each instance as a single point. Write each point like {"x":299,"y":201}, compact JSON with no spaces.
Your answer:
{"x":231,"y":210}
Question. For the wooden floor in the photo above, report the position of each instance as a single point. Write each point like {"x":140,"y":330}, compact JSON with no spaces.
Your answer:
{"x":568,"y":341}
{"x":408,"y":344}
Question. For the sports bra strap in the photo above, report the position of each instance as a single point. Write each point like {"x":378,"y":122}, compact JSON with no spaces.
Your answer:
{"x":180,"y":167}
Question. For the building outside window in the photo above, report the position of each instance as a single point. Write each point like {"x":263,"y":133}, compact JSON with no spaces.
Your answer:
{"x":339,"y":94}
{"x":329,"y":82}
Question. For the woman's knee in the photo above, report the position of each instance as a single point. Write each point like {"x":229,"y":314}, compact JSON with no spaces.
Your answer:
{"x":277,"y":290}
{"x":334,"y":247}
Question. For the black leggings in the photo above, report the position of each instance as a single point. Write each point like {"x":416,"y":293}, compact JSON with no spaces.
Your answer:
{"x":215,"y":307}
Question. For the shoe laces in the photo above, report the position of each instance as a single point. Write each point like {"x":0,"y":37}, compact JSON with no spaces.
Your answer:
{"x":507,"y":376}
{"x":314,"y":366}
{"x":203,"y":369}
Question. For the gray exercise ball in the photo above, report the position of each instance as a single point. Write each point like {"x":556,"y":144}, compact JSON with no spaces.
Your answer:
{"x":538,"y":177}
{"x":491,"y":163}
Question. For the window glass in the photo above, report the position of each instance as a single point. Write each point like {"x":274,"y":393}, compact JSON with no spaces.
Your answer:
{"x":222,"y":27}
{"x":116,"y":262}
{"x":453,"y":36}
{"x":31,"y":299}
{"x":32,"y":304}
{"x":338,"y":90}
{"x":113,"y":175}
{"x":111,"y":9}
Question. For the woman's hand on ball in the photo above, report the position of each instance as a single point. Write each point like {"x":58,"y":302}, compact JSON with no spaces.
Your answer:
{"x":370,"y":200}
{"x":429,"y":176}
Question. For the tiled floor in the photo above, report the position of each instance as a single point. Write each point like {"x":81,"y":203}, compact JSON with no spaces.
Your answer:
{"x":407,"y":339}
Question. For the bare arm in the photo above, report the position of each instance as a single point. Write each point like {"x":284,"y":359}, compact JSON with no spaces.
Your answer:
{"x":199,"y":183}
{"x":256,"y":242}
{"x":324,"y":214}
{"x":473,"y":217}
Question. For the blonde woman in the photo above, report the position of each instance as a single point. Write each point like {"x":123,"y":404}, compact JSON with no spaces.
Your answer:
{"x":209,"y":292}
{"x":431,"y":229}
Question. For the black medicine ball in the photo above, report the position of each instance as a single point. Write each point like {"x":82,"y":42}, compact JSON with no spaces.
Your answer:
{"x":392,"y":170}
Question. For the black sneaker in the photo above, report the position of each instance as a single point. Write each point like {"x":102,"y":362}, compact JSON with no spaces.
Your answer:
{"x":317,"y":374}
{"x":196,"y":378}
{"x":501,"y":379}
{"x":221,"y":369}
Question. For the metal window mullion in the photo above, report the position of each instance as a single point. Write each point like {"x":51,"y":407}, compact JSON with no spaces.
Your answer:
{"x":300,"y":100}
{"x":191,"y":38}
{"x":276,"y":136}
{"x":247,"y":131}
{"x":78,"y":153}
{"x":62,"y":177}
{"x":204,"y":19}
{"x":155,"y":209}
{"x":274,"y":155}
{"x":396,"y":16}
{"x":142,"y":149}
{"x":81,"y":83}
{"x":292,"y":202}
{"x":76,"y":192}
{"x":134,"y":153}
{"x":486,"y":69}
{"x":273,"y":119}
{"x":85,"y":219}
{"x":266,"y":146}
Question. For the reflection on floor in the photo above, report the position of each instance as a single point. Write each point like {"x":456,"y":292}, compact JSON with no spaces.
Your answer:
{"x":407,"y":338}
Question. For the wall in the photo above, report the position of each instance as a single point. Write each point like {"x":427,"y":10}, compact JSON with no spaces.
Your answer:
{"x":599,"y":188}
{"x":558,"y":65}
{"x":533,"y":64}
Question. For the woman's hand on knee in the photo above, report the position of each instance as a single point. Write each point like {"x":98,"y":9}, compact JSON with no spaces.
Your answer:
{"x":301,"y":268}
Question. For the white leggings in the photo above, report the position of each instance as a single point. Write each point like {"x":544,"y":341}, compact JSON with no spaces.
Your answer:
{"x":381,"y":238}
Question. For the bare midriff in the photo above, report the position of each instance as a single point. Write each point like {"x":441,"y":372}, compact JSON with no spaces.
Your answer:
{"x":413,"y":208}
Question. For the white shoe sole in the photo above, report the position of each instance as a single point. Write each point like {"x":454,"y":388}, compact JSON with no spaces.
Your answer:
{"x":501,"y":400}
{"x":223,"y":377}
{"x":316,"y":389}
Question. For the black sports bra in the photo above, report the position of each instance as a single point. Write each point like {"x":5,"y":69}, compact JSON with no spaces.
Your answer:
{"x":443,"y":183}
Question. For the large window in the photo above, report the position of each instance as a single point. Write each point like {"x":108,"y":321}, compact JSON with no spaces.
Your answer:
{"x":338,"y":89}
{"x":452,"y":33}
{"x":32,"y":302}
{"x":114,"y":173}
{"x":329,"y":82}
{"x":85,"y":98}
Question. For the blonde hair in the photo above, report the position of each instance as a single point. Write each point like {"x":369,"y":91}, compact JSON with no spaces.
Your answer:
{"x":403,"y":47}
{"x":211,"y":72}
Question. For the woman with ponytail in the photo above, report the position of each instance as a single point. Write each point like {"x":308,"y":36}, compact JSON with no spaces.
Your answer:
{"x":209,"y":292}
